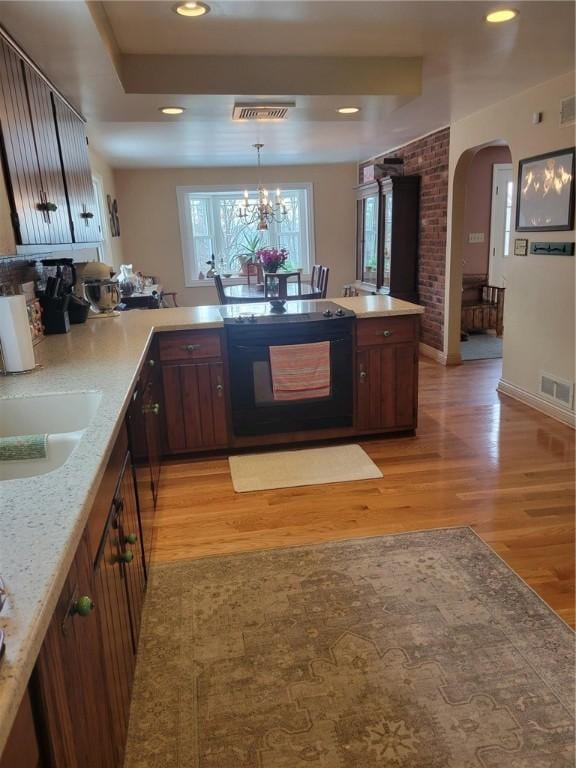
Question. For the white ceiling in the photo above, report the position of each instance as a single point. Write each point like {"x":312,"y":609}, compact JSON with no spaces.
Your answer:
{"x":467,"y":64}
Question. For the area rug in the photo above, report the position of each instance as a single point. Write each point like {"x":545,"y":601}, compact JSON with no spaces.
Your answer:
{"x":418,"y":650}
{"x":312,"y":466}
{"x":481,"y":346}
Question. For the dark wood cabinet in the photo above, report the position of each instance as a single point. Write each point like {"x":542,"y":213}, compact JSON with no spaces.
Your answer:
{"x":130,"y":558}
{"x":22,"y":749}
{"x":145,"y":420}
{"x":387,"y":235}
{"x":28,"y":155}
{"x":69,"y":674}
{"x":387,"y":374}
{"x":56,"y":222}
{"x":44,"y":158}
{"x":195,"y":407}
{"x":72,"y":144}
{"x":82,"y":681}
{"x":193,"y":391}
{"x":116,"y":631}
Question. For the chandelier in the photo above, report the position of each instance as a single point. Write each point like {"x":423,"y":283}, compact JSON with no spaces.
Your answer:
{"x":266,"y":210}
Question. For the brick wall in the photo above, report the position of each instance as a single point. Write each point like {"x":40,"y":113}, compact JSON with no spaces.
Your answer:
{"x":428,"y":158}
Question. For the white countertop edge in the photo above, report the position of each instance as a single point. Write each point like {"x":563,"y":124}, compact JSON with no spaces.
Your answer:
{"x":25,"y":640}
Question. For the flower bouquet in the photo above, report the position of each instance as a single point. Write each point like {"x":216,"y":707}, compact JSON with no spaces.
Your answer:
{"x":272,"y":258}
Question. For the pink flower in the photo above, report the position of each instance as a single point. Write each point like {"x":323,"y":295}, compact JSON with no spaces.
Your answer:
{"x":272,"y":258}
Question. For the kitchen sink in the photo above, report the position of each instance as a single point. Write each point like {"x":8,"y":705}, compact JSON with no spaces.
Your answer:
{"x":63,"y":417}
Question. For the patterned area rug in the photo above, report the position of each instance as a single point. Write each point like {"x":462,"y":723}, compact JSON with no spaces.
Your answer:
{"x":418,"y":650}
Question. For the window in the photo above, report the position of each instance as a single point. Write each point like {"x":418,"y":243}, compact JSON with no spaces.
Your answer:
{"x":209,"y":224}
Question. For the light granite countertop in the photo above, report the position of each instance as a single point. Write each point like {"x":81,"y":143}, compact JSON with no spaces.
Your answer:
{"x":42,"y":518}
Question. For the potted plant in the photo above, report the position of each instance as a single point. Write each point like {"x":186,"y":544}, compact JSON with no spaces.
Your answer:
{"x":247,"y":259}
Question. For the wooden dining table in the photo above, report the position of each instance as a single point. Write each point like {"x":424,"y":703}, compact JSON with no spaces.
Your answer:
{"x":254,"y":292}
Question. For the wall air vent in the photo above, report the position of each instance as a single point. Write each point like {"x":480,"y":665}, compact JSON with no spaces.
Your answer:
{"x":258,"y":111}
{"x":568,"y":111}
{"x":558,"y":390}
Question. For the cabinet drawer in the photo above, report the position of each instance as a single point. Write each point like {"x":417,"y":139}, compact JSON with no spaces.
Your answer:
{"x":386,"y":330}
{"x":189,"y":345}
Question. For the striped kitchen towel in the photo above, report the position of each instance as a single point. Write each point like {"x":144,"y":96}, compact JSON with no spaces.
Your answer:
{"x":300,"y":371}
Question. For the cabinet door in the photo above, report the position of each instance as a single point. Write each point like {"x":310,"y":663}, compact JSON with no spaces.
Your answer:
{"x":194,"y":407}
{"x":130,"y":544}
{"x":118,"y":648}
{"x":138,"y":420}
{"x":22,"y":749}
{"x":205,"y":405}
{"x":69,"y":673}
{"x":18,"y":152}
{"x":56,"y":224}
{"x":174,"y":427}
{"x":386,"y":387}
{"x":86,"y":226}
{"x":153,"y":411}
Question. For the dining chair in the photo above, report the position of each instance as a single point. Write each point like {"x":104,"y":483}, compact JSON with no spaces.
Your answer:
{"x":322,"y":285}
{"x":222,"y":298}
{"x":314,"y":276}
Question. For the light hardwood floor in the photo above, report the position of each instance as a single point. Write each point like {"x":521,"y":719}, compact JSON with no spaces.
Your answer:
{"x":478,"y":459}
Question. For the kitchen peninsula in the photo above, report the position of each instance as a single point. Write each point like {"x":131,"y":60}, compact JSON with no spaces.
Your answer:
{"x":177,"y":361}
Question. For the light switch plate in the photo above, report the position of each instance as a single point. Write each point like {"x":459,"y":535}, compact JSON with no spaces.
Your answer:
{"x":476,"y":237}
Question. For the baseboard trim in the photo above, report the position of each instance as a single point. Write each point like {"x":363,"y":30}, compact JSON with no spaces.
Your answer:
{"x":538,"y":403}
{"x":439,"y":356}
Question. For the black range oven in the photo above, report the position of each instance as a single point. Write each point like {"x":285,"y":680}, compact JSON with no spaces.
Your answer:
{"x":252,"y":330}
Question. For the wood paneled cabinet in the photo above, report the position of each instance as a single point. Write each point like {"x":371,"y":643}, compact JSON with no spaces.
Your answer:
{"x":84,"y":220}
{"x":387,"y":374}
{"x":44,"y":158}
{"x":145,"y":420}
{"x":194,"y":392}
{"x":82,"y":680}
{"x":387,"y":235}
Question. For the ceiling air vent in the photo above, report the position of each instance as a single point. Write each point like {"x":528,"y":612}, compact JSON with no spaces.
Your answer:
{"x":259,"y":111}
{"x":568,"y":111}
{"x":559,"y":390}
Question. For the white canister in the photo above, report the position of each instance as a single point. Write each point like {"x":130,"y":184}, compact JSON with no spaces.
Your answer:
{"x":15,"y":336}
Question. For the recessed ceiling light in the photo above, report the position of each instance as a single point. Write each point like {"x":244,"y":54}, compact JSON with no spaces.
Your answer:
{"x":349,"y":110}
{"x":191,"y":10}
{"x":503,"y":14}
{"x":172,"y":110}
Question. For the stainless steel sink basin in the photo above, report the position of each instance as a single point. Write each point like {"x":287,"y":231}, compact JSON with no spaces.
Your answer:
{"x":63,"y":417}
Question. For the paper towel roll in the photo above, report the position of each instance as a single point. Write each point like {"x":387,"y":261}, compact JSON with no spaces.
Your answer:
{"x":15,"y":336}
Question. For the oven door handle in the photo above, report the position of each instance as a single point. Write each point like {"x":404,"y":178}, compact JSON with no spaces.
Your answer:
{"x":266,"y":347}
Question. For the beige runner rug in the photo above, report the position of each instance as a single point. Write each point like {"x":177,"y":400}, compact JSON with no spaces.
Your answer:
{"x":312,"y":466}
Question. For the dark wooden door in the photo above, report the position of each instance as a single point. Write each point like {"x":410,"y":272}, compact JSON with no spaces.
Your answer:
{"x":86,"y":226}
{"x":131,"y":549}
{"x":386,"y":387}
{"x":154,"y":421}
{"x":69,"y":674}
{"x":195,"y":407}
{"x":205,"y":411}
{"x":19,"y":158}
{"x":118,"y":647}
{"x":138,"y":429}
{"x":22,"y":749}
{"x":56,"y":223}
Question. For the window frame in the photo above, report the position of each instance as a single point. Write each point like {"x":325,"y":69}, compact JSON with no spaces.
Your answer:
{"x":187,"y":236}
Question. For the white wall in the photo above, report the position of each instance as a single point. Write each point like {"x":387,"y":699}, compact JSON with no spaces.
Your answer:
{"x":151,"y":231}
{"x":102,"y":170}
{"x":539,"y":304}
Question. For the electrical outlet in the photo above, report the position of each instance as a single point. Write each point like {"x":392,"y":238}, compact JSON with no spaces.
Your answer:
{"x":476,"y":237}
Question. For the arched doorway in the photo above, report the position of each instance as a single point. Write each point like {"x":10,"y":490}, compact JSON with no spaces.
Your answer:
{"x":481,"y":223}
